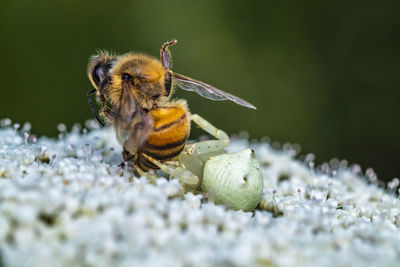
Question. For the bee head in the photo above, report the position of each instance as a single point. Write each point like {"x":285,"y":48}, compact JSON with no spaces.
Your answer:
{"x":99,"y":68}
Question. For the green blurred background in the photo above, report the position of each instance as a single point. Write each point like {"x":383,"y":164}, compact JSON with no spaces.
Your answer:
{"x":323,"y":74}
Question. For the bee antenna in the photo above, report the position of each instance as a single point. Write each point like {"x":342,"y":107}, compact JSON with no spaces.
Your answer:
{"x":92,"y":108}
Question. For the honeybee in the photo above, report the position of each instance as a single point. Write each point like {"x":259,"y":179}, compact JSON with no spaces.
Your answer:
{"x":138,"y":88}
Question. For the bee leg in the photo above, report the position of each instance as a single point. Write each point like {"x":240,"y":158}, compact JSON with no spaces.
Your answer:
{"x":165,"y":56}
{"x":122,"y":165}
{"x":126,"y":155}
{"x":107,"y":113}
{"x":92,"y":108}
{"x":183,"y":175}
{"x":127,"y":158}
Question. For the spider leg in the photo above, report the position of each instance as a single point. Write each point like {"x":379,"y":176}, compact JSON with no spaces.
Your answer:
{"x":183,"y":175}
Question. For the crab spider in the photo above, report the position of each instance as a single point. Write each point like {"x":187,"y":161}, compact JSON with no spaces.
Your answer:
{"x":232,"y":179}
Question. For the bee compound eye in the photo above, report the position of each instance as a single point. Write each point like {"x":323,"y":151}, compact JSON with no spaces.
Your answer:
{"x":126,"y":77}
{"x":97,"y":74}
{"x":156,"y":96}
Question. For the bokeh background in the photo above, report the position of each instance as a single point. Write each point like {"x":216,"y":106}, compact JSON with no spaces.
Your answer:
{"x":323,"y":74}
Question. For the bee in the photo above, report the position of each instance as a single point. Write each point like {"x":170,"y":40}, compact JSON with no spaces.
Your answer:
{"x":138,"y":88}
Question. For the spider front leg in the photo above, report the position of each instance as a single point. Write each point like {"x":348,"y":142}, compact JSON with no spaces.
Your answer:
{"x":212,"y":145}
{"x":183,"y":175}
{"x":149,"y":176}
{"x":195,"y":155}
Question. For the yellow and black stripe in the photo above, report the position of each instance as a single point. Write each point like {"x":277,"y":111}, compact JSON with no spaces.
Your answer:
{"x":171,"y":128}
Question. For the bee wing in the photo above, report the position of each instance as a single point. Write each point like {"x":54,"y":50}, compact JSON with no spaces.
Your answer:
{"x":133,"y":125}
{"x":207,"y":91}
{"x":141,"y":127}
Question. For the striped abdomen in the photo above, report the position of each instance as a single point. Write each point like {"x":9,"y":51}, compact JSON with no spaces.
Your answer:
{"x":171,"y":128}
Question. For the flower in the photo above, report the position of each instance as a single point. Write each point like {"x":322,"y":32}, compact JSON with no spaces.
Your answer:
{"x":79,"y":208}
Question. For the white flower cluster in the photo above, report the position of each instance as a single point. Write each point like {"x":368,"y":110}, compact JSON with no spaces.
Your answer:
{"x":66,"y":202}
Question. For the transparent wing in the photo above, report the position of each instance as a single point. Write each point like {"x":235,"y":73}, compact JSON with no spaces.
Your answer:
{"x":207,"y":91}
{"x":132,"y":123}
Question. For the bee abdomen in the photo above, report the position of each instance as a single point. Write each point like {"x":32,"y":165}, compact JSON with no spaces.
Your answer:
{"x":146,"y":164}
{"x":169,"y":135}
{"x":167,"y":146}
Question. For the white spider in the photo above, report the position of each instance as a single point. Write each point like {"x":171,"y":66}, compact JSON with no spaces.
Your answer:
{"x":232,"y":179}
